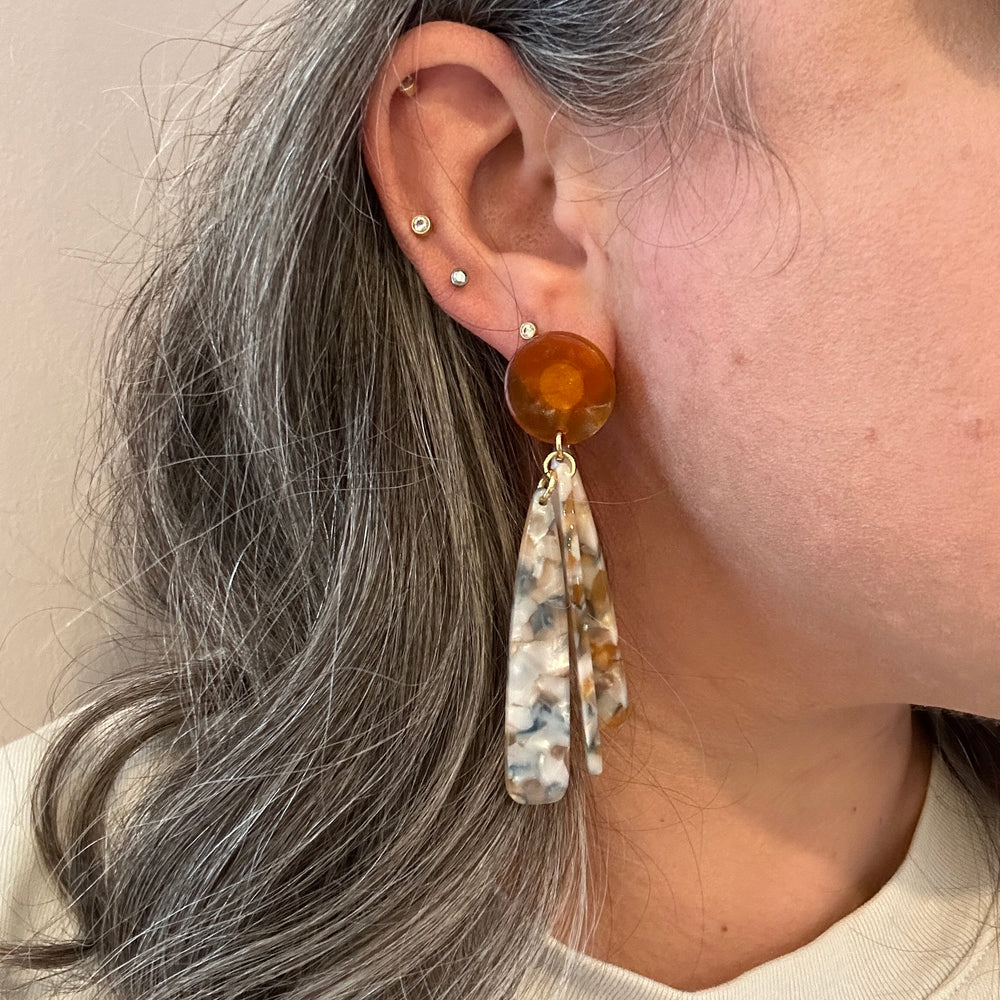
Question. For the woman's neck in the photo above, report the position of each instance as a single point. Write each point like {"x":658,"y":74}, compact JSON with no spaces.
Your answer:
{"x":716,"y":862}
{"x":769,"y":778}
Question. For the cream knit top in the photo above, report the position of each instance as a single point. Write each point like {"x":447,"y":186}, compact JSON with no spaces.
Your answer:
{"x":928,"y":932}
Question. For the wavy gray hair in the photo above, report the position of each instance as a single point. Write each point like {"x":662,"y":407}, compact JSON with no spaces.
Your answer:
{"x":312,"y":496}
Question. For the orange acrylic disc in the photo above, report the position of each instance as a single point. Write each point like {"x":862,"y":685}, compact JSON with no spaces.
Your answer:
{"x":560,"y":382}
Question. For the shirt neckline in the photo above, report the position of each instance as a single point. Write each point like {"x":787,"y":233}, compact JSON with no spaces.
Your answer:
{"x":922,"y":932}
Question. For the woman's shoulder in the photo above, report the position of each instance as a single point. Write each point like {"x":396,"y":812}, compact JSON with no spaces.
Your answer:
{"x":28,"y":899}
{"x":28,"y":896}
{"x":31,"y":906}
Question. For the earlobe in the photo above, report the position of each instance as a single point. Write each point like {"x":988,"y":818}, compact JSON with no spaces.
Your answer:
{"x":456,"y":134}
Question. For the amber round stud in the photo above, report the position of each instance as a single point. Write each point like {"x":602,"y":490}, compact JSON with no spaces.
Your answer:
{"x":560,"y":382}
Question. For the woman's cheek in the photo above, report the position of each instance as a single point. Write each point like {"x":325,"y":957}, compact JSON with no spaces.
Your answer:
{"x":837,"y":449}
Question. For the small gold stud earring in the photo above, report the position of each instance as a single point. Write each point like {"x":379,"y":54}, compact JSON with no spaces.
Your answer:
{"x":421,"y":225}
{"x":528,"y":330}
{"x":459,"y":278}
{"x":408,"y":85}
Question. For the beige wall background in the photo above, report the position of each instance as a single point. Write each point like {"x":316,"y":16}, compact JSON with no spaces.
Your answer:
{"x":75,"y":143}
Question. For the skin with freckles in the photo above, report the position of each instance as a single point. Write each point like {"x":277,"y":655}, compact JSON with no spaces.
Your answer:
{"x":842,"y":389}
{"x":797,"y":490}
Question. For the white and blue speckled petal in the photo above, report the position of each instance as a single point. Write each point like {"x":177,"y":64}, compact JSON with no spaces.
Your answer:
{"x":601,"y":626}
{"x":576,"y":596}
{"x":538,"y":675}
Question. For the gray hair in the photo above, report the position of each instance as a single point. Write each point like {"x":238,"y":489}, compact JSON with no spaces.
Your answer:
{"x":311,"y":497}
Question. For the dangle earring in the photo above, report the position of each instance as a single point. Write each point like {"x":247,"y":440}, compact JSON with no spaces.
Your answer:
{"x":560,"y":389}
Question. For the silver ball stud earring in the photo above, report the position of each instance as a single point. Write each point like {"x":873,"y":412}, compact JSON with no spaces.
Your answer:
{"x":459,"y":278}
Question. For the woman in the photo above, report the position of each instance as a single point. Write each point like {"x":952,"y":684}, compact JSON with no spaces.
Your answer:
{"x":776,"y":222}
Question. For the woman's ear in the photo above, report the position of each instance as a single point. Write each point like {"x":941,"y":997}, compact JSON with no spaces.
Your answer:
{"x":470,"y":142}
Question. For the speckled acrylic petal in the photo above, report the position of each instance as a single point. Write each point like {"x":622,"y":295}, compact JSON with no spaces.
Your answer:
{"x":602,"y":629}
{"x":576,"y":596}
{"x":538,"y":669}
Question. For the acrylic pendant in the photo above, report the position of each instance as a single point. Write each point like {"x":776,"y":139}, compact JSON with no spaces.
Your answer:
{"x":599,"y":618}
{"x":577,"y":606}
{"x":562,"y":622}
{"x":538,"y":667}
